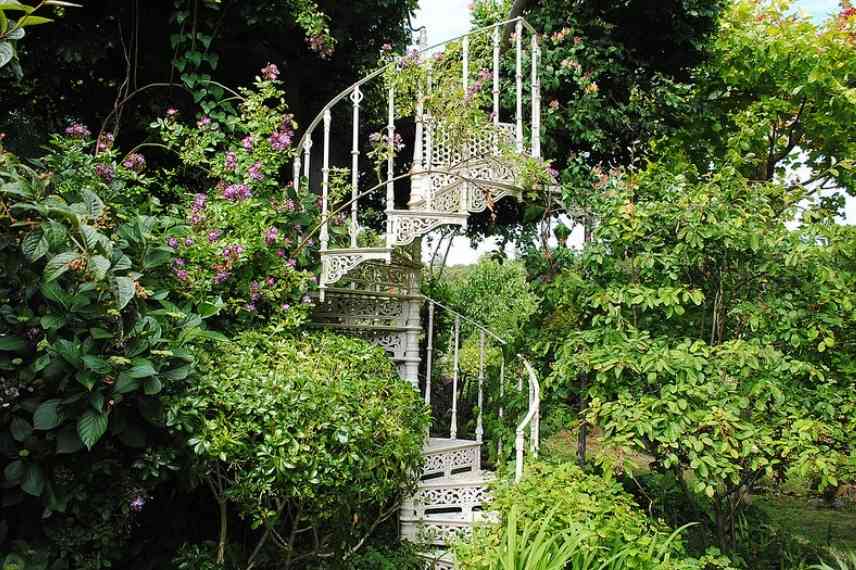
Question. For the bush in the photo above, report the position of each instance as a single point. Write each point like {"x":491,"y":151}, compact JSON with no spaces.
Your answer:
{"x":302,"y":433}
{"x":593,"y":508}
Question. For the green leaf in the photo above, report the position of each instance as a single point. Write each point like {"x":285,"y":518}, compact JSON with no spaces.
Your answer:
{"x":15,"y":5}
{"x":34,"y":480}
{"x":67,"y":441}
{"x":7,"y":54}
{"x":97,"y":364}
{"x":33,"y":21}
{"x":91,"y":426}
{"x":52,"y":322}
{"x":152,"y":386}
{"x":35,"y":246}
{"x":58,"y":265}
{"x":125,"y":384}
{"x":142,"y":369}
{"x":14,"y":472}
{"x":12,"y":344}
{"x":98,"y":266}
{"x":123,"y":289}
{"x":16,"y":33}
{"x":94,"y":205}
{"x":47,"y":415}
{"x":20,"y":429}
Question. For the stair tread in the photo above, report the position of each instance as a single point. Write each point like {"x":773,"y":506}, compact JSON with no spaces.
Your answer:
{"x":480,"y":478}
{"x":453,"y":518}
{"x":437,"y":444}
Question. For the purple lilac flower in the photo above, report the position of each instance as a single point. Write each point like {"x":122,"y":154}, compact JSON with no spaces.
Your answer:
{"x":270,"y":236}
{"x":281,"y":140}
{"x":270,"y":72}
{"x":255,"y":171}
{"x":318,"y":44}
{"x":280,"y":253}
{"x":237,"y":192}
{"x":251,"y":307}
{"x":285,"y":306}
{"x":247,"y":142}
{"x":387,"y":47}
{"x":172,"y":242}
{"x":181,"y":274}
{"x":104,"y":172}
{"x":105,"y":142}
{"x":188,"y":241}
{"x":231,"y":161}
{"x":77,"y":131}
{"x":196,"y":219}
{"x":199,"y":201}
{"x":171,"y":112}
{"x":134,"y":161}
{"x":179,"y":262}
{"x":290,"y":205}
{"x":221,"y":277}
{"x":233,"y":251}
{"x":291,"y":263}
{"x":137,"y":503}
{"x":214,"y":235}
{"x":204,"y":122}
{"x":271,"y":281}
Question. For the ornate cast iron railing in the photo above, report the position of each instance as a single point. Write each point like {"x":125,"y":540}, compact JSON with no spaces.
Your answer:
{"x":443,"y":191}
{"x":530,"y":420}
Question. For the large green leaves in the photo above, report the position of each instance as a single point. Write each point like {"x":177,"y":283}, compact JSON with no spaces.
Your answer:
{"x":91,"y":427}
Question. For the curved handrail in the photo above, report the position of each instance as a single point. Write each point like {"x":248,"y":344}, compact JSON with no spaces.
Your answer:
{"x":531,"y":419}
{"x":348,"y":90}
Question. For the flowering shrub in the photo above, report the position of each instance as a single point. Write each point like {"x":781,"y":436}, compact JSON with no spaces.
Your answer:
{"x":247,"y":243}
{"x":89,"y":338}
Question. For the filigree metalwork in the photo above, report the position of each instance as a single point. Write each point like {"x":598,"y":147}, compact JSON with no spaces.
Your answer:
{"x":336,"y":263}
{"x":408,"y":225}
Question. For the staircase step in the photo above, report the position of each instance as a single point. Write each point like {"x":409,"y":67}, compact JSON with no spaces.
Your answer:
{"x":443,"y":529}
{"x":458,"y":494}
{"x":451,"y":457}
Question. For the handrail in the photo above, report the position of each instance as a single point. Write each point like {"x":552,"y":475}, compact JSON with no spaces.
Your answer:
{"x":530,"y":420}
{"x":379,"y":71}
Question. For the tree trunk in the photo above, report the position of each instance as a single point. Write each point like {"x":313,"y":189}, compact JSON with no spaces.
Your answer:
{"x":224,"y":521}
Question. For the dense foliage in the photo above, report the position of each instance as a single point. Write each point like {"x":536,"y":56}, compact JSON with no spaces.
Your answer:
{"x":595,"y":510}
{"x":280,"y":427}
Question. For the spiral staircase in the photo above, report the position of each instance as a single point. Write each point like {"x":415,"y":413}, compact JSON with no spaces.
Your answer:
{"x":373,"y":292}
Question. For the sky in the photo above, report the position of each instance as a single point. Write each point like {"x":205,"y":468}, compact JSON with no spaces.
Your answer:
{"x":446,"y":19}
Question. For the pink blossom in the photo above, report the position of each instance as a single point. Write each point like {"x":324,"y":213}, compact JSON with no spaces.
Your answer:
{"x":270,"y":72}
{"x":77,"y":131}
{"x":247,"y":142}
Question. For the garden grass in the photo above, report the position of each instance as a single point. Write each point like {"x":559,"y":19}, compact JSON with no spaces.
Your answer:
{"x":817,"y":524}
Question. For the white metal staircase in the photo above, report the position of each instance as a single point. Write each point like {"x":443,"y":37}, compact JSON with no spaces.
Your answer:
{"x":374,"y":292}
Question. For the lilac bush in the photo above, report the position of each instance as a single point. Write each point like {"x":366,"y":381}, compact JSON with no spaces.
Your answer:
{"x":246,"y":242}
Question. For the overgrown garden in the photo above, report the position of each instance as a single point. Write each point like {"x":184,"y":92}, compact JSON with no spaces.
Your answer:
{"x":688,"y":295}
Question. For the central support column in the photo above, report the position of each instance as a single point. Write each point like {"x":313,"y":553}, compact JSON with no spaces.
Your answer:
{"x":414,"y":319}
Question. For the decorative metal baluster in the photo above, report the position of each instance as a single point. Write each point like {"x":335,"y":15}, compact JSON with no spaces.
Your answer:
{"x":356,"y":97}
{"x":325,"y":182}
{"x":429,"y":361}
{"x":536,"y":98}
{"x":307,"y":147}
{"x":465,"y":186}
{"x":295,"y":183}
{"x":426,"y":163}
{"x":496,"y":82}
{"x":390,"y":167}
{"x":480,"y":420}
{"x":453,"y":431}
{"x":518,"y":38}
